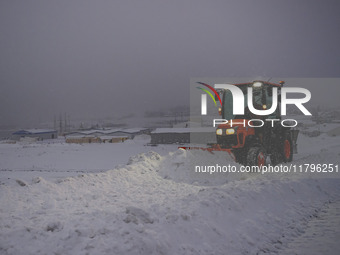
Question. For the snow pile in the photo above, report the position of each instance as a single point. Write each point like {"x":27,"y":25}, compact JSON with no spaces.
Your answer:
{"x":190,"y":166}
{"x":60,"y":160}
{"x":150,"y":206}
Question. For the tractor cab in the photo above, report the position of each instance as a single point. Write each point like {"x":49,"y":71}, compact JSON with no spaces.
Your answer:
{"x":262,"y":98}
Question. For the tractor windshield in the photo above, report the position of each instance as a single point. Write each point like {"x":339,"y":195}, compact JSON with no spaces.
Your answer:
{"x":262,"y":99}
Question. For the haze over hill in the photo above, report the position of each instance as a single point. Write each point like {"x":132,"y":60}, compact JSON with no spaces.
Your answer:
{"x":112,"y":58}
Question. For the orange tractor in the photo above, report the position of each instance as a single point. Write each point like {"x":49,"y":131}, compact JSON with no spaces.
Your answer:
{"x":251,"y":138}
{"x":250,"y":143}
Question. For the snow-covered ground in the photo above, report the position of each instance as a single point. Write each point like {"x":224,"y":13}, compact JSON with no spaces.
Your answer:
{"x":321,"y":236}
{"x":63,"y":199}
{"x":52,"y":159}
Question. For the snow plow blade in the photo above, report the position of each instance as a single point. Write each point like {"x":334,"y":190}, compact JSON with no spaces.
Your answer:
{"x":214,"y":147}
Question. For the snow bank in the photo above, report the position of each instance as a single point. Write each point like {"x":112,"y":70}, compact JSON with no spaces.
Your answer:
{"x":190,"y":166}
{"x":150,"y":206}
{"x":60,"y":160}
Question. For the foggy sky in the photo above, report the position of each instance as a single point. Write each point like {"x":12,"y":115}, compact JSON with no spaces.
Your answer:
{"x":107,"y":58}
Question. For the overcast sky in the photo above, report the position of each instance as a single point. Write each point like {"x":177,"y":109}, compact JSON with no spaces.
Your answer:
{"x":103,"y":58}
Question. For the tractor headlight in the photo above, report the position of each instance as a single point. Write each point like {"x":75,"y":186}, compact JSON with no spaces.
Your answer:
{"x":219,"y":131}
{"x":257,"y":84}
{"x":230,"y":131}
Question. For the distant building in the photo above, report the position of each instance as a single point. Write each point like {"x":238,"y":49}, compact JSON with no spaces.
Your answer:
{"x":104,"y":135}
{"x":170,"y":135}
{"x":39,"y":134}
{"x":334,"y":132}
{"x":200,"y":135}
{"x":95,"y":139}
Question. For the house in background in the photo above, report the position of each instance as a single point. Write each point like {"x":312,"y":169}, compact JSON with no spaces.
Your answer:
{"x":334,"y":132}
{"x":104,"y":136}
{"x":39,"y":134}
{"x":198,"y":135}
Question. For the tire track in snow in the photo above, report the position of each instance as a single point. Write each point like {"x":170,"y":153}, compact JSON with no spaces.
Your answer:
{"x":321,"y":235}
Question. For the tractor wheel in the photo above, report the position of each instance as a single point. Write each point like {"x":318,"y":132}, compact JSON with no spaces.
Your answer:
{"x":276,"y":158}
{"x":256,"y":156}
{"x":287,"y":150}
{"x":240,"y":156}
{"x":283,"y":152}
